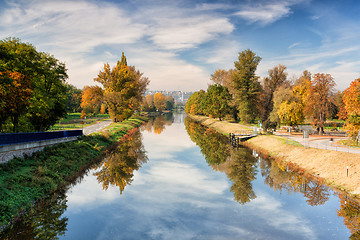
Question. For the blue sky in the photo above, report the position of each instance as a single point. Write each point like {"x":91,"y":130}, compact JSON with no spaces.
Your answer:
{"x":179,"y":44}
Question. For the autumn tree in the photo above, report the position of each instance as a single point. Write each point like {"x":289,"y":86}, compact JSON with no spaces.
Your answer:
{"x":223,"y":77}
{"x":277,"y":77}
{"x":318,"y":104}
{"x":245,"y":86}
{"x":124,"y":89}
{"x":92,"y":99}
{"x":289,"y":101}
{"x":159,"y":101}
{"x":351,"y":108}
{"x":148,"y":103}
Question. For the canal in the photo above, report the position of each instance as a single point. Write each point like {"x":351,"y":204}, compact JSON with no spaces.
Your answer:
{"x":175,"y":179}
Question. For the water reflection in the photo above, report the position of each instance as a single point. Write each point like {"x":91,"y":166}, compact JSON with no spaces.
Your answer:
{"x":45,"y":221}
{"x":159,"y":123}
{"x":350,"y":211}
{"x":240,"y":165}
{"x":278,"y":177}
{"x":177,"y":195}
{"x":118,"y":168}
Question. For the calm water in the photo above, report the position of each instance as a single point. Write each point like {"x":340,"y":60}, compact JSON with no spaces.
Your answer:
{"x":175,"y":179}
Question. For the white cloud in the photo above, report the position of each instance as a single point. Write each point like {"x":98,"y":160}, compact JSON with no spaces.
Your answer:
{"x":86,"y":34}
{"x":188,"y":32}
{"x":264,"y":13}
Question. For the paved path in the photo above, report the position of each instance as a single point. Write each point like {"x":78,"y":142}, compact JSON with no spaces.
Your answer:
{"x":321,"y":142}
{"x":96,"y":127}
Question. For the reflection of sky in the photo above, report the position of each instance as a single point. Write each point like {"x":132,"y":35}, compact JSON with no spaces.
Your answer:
{"x":176,"y":195}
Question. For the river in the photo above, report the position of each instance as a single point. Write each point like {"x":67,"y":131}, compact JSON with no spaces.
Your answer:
{"x":175,"y":179}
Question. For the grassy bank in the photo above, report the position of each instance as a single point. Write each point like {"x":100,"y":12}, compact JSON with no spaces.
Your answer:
{"x":330,"y":166}
{"x":23,"y":181}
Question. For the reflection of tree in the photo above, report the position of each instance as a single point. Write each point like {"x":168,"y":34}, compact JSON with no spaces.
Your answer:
{"x":316,"y":193}
{"x":240,"y":167}
{"x":278,"y":178}
{"x":213,"y":146}
{"x":41,"y":222}
{"x":350,"y":211}
{"x":169,"y":118}
{"x":159,"y":124}
{"x":242,"y":171}
{"x":238,"y":164}
{"x":117,"y":169}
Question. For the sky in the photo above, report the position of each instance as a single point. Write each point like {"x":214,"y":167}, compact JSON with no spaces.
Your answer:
{"x":179,"y":44}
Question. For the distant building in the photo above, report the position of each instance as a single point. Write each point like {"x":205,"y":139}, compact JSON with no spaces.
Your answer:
{"x":180,"y":97}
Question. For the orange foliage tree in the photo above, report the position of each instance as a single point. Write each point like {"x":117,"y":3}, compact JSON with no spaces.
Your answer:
{"x":318,"y":104}
{"x":92,"y":99}
{"x":351,"y":108}
{"x":159,"y":101}
{"x":124,"y":89}
{"x":15,"y":94}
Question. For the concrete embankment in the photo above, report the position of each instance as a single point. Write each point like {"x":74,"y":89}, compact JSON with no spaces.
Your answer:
{"x":340,"y":170}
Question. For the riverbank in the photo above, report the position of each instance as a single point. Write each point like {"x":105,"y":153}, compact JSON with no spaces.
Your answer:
{"x":23,"y":181}
{"x":330,"y":166}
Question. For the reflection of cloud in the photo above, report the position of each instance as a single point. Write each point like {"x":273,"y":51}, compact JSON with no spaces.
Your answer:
{"x":173,"y":140}
{"x":181,"y":178}
{"x":273,"y":212}
{"x":90,"y":194}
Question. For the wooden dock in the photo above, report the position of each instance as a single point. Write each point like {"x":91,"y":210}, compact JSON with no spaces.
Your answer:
{"x":235,"y":139}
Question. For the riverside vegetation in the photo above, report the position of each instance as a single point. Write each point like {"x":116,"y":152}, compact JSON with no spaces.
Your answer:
{"x":24,"y":181}
{"x":325,"y":165}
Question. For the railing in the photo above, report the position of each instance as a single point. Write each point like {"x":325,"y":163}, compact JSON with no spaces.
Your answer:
{"x":16,"y":138}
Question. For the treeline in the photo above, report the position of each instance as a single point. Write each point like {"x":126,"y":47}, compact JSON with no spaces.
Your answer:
{"x":238,"y":94}
{"x":32,"y":87}
{"x":34,"y":94}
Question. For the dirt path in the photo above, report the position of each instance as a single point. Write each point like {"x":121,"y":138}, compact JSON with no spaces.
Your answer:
{"x":338,"y":169}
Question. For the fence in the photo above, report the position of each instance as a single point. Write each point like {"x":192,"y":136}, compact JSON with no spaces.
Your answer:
{"x":16,"y":138}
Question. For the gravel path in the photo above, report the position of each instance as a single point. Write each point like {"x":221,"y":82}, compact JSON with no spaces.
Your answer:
{"x":96,"y":127}
{"x":322,"y":142}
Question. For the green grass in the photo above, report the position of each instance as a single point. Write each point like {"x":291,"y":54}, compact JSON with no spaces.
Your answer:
{"x":23,"y":181}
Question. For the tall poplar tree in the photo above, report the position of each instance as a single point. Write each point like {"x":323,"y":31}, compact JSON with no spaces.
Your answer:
{"x":246,"y":86}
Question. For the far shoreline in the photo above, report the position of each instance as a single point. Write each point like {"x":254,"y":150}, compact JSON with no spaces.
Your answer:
{"x":327,"y":166}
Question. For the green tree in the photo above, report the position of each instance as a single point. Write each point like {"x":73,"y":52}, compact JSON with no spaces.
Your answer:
{"x":195,"y":103}
{"x":170,"y":103}
{"x":73,"y":99}
{"x":217,"y":101}
{"x":46,"y":76}
{"x":246,"y":86}
{"x":49,"y":99}
{"x":124,"y":89}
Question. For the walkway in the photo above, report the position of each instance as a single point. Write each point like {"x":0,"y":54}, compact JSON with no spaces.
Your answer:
{"x":321,"y":142}
{"x":96,"y":127}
